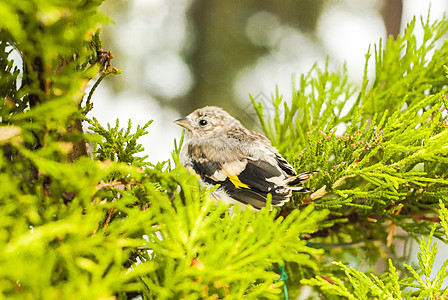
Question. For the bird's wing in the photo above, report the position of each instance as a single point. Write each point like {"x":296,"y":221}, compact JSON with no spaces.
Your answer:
{"x":247,"y":177}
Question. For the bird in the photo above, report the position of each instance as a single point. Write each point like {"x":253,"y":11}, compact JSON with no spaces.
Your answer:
{"x":243,"y":162}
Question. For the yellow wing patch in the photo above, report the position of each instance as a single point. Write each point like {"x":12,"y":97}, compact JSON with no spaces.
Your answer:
{"x":237,"y":182}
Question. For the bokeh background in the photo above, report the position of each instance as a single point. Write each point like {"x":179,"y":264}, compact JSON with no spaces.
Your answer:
{"x":179,"y":55}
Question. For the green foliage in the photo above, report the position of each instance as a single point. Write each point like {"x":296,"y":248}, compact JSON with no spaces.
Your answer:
{"x":381,"y":150}
{"x":109,"y":224}
{"x":119,"y":145}
{"x":419,"y":285}
{"x":361,"y":285}
{"x":201,"y":251}
{"x":9,"y":74}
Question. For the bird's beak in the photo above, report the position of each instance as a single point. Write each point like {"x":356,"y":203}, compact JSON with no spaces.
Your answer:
{"x":184,"y":122}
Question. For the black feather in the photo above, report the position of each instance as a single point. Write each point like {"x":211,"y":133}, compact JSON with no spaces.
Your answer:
{"x":285,"y":166}
{"x":206,"y":168}
{"x":301,"y":178}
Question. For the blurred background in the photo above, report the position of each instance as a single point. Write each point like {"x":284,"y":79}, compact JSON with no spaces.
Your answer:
{"x":180,"y":55}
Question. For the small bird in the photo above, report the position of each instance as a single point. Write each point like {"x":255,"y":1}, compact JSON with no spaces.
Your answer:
{"x":243,"y":162}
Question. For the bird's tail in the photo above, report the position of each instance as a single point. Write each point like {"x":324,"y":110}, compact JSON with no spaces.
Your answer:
{"x":299,"y":179}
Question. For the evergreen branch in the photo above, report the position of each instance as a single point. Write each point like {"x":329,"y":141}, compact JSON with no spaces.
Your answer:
{"x":362,"y":285}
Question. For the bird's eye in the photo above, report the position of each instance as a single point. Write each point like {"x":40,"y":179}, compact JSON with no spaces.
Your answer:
{"x":202,"y":122}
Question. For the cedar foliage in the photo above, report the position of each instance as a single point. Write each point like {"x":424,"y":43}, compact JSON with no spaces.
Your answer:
{"x":110,"y":224}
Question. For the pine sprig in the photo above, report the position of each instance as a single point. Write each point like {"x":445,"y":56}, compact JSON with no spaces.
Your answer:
{"x":119,"y":145}
{"x":249,"y":244}
{"x":360,"y":285}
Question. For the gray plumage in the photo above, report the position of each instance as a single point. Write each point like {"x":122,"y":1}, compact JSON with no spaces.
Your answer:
{"x":248,"y":168}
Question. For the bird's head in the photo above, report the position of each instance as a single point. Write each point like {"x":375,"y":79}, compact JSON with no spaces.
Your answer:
{"x":207,"y":122}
